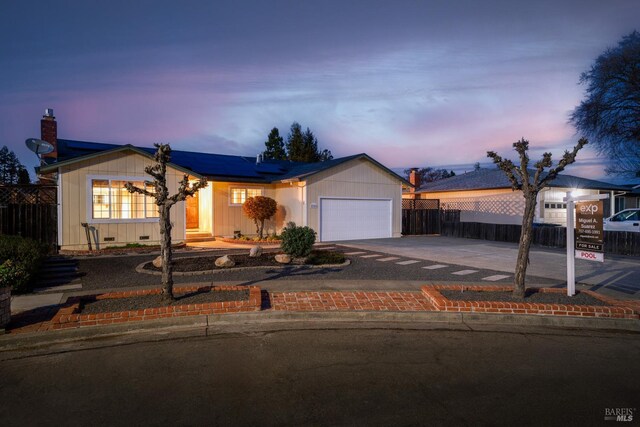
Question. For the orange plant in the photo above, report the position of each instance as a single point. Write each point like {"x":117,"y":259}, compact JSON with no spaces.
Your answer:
{"x":259,"y":209}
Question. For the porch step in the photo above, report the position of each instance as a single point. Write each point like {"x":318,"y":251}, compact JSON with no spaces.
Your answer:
{"x":199,"y":237}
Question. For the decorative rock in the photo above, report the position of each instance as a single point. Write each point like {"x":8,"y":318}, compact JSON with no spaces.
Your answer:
{"x":225,"y":262}
{"x":157,"y":263}
{"x":283,"y":258}
{"x":255,"y":251}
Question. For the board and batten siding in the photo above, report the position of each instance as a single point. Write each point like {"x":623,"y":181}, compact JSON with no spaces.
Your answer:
{"x":291,"y":204}
{"x":228,"y":218}
{"x":357,"y":179}
{"x":75,"y":197}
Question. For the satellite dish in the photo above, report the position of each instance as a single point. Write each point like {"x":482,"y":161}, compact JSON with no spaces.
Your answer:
{"x":39,"y":146}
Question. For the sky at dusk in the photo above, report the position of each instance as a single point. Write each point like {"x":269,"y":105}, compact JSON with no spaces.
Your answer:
{"x":411,"y":83}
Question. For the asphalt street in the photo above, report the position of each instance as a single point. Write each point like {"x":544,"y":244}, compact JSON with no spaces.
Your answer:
{"x":369,"y":377}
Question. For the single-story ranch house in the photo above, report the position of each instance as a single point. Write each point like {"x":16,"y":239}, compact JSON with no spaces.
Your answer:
{"x":486,"y":196}
{"x":352,"y":197}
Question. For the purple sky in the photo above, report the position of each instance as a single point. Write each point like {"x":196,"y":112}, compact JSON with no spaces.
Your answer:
{"x":411,"y":83}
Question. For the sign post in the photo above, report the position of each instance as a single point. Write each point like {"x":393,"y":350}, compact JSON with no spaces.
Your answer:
{"x":590,"y":241}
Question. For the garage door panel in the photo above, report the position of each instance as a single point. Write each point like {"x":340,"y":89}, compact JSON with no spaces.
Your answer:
{"x":350,"y":219}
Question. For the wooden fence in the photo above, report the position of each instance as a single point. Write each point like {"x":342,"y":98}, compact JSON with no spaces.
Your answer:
{"x":29,"y":211}
{"x":421,"y":216}
{"x":615,"y":242}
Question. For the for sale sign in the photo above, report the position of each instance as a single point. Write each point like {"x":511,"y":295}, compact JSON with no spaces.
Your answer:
{"x":589,"y":232}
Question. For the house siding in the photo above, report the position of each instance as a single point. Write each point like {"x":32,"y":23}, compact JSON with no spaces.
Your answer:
{"x":227,"y":218}
{"x":291,"y":204}
{"x":504,"y":206}
{"x":73,"y":180}
{"x":357,"y":178}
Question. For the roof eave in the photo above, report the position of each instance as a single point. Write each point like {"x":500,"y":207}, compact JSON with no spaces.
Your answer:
{"x":53,"y":167}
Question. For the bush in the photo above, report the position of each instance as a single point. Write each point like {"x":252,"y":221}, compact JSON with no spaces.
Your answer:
{"x":20,"y":259}
{"x":259,"y":209}
{"x":297,"y":241}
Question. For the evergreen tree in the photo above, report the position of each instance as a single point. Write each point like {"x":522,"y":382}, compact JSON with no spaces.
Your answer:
{"x":23,"y":176}
{"x":300,"y":146}
{"x":275,"y":146}
{"x":295,"y":143}
{"x":11,"y":170}
{"x":310,"y":147}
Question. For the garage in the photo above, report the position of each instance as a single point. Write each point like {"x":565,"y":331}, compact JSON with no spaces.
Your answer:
{"x":353,"y":219}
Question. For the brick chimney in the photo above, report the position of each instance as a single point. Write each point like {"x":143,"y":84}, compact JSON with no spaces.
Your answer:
{"x":49,"y":132}
{"x":414,"y":179}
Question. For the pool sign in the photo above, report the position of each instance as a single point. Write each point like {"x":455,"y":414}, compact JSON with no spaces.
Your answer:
{"x":589,"y":231}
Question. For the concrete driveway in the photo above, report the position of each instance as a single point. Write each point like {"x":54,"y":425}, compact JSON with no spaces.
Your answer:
{"x":618,"y":276}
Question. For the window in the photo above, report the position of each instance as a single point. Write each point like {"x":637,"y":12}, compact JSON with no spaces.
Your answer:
{"x":110,"y":200}
{"x":238,"y":195}
{"x":555,"y":206}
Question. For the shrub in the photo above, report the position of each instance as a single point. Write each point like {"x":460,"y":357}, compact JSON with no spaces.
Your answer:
{"x":20,"y":260}
{"x":259,"y":209}
{"x":297,"y":241}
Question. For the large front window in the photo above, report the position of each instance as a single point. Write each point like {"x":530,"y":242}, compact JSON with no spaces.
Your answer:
{"x":239,"y":195}
{"x":110,"y":200}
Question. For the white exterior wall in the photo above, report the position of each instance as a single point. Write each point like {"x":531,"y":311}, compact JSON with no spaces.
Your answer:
{"x":358,"y":178}
{"x":291,"y":204}
{"x":75,"y":196}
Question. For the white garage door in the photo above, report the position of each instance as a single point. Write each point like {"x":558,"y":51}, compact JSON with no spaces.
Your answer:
{"x":350,"y":219}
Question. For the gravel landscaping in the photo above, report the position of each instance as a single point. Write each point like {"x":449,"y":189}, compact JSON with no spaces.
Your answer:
{"x":120,"y":272}
{"x":530,"y":297}
{"x":152,"y":301}
{"x":267,"y":259}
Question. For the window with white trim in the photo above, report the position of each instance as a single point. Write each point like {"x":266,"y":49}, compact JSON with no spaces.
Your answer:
{"x":238,"y":195}
{"x":111,"y":200}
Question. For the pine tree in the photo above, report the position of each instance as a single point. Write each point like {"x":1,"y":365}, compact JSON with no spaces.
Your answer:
{"x":275,"y":146}
{"x":295,"y":143}
{"x":11,"y":170}
{"x":310,"y":147}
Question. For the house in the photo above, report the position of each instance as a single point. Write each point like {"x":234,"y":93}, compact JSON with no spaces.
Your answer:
{"x":352,"y":197}
{"x":486,"y":196}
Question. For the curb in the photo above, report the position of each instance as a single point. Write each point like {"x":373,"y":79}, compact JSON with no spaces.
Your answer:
{"x":204,"y":325}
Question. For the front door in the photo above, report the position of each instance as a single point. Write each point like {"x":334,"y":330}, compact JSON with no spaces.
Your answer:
{"x":193,"y":220}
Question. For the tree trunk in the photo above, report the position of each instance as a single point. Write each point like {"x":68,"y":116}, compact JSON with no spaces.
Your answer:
{"x":165,"y":253}
{"x":255,"y":221}
{"x":526,"y":236}
{"x":261,"y":230}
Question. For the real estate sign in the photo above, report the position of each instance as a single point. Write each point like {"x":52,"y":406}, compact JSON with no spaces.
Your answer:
{"x":589,"y":232}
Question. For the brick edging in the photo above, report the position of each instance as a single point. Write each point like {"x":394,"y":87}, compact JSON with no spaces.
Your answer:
{"x":616,"y":309}
{"x":69,"y":317}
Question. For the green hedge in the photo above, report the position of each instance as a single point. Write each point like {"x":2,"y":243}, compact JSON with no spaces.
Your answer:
{"x":20,"y":259}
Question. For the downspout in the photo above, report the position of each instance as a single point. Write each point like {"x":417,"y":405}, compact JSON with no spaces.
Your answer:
{"x":305,"y":207}
{"x":59,"y":208}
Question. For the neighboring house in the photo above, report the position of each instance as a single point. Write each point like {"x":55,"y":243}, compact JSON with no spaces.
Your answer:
{"x":486,"y":196}
{"x":353,"y":197}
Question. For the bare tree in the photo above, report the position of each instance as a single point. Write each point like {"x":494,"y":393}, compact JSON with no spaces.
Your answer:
{"x":164,"y":201}
{"x":609,"y":115}
{"x":521,"y":179}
